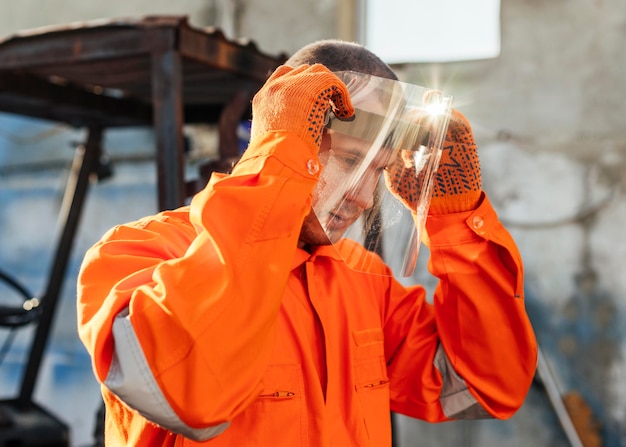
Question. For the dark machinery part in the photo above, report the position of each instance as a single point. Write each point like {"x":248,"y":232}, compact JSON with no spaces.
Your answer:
{"x":22,"y":422}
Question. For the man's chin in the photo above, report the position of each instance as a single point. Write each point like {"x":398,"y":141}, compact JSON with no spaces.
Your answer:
{"x":314,"y":240}
{"x":313,"y":235}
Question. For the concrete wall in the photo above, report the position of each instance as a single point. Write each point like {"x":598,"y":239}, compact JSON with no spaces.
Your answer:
{"x":548,"y":115}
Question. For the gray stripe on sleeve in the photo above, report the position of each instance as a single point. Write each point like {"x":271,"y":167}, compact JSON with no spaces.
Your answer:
{"x":131,"y":379}
{"x":456,"y":400}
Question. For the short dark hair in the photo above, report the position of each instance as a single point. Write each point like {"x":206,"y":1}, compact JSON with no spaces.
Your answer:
{"x":338,"y":55}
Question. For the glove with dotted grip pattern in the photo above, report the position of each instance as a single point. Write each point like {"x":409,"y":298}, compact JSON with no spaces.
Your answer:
{"x":457,"y":184}
{"x":297,"y":100}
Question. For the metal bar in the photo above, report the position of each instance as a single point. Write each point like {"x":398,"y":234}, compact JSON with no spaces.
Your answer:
{"x":232,"y":113}
{"x":556,"y":399}
{"x":214,"y":50}
{"x":32,"y":96}
{"x":70,"y":46}
{"x":86,"y":158}
{"x":167,"y":102}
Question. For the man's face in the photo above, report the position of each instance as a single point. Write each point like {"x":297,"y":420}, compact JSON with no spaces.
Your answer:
{"x":345,"y":189}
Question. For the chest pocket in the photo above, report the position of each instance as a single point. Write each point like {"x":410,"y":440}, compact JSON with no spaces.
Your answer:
{"x":372,"y":383}
{"x":369,"y":359}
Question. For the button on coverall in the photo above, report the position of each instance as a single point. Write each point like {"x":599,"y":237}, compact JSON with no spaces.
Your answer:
{"x":208,"y":325}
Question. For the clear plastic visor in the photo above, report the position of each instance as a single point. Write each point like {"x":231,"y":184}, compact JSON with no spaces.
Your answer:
{"x":375,"y":185}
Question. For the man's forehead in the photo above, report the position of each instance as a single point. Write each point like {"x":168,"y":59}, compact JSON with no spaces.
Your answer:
{"x":359,"y":147}
{"x":366,"y":125}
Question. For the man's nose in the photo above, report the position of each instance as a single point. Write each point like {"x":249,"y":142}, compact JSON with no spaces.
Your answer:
{"x":363,"y":193}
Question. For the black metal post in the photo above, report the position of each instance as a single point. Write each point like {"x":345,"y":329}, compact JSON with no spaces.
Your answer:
{"x":87,"y":157}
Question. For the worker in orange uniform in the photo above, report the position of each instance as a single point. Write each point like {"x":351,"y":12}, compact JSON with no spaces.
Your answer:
{"x":248,"y":318}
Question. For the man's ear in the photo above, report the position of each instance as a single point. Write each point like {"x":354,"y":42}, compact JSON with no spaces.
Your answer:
{"x":326,"y":139}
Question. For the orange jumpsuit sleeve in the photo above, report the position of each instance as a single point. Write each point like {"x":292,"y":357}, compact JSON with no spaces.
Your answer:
{"x":192,"y":304}
{"x":482,"y":342}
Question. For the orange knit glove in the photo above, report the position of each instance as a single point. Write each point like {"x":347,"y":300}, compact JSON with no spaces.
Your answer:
{"x":297,"y":100}
{"x":457,"y":184}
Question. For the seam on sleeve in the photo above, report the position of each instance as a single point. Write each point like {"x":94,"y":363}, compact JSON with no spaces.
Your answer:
{"x":131,"y":379}
{"x":456,"y":400}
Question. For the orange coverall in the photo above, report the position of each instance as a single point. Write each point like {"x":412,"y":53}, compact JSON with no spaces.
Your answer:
{"x":208,"y":323}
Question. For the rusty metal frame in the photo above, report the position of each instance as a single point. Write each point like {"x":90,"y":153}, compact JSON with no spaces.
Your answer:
{"x":152,"y":71}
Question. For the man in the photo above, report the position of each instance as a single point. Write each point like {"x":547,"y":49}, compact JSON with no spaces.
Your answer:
{"x":238,"y":321}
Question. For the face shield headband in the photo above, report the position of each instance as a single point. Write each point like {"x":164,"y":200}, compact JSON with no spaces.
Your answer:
{"x":375,"y":185}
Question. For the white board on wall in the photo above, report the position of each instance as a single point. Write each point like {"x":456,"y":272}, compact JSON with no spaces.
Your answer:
{"x":406,"y":31}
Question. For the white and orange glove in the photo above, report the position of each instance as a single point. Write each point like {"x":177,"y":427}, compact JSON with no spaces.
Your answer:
{"x":297,"y":100}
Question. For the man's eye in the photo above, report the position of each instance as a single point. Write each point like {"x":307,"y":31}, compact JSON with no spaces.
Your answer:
{"x":349,"y":162}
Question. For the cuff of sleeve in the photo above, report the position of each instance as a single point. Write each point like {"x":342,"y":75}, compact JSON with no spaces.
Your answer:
{"x":284,"y":147}
{"x":455,"y":203}
{"x":459,"y":228}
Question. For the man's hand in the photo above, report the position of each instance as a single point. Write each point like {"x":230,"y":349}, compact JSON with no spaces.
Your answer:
{"x":297,"y":100}
{"x":457,"y":183}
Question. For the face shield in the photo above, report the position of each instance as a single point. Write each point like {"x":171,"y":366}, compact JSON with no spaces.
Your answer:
{"x":375,"y":185}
